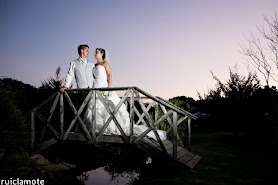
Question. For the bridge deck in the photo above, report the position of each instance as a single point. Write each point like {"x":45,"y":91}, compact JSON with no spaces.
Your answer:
{"x":183,"y":156}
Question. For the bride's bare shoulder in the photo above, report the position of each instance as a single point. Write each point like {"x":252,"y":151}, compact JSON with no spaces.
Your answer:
{"x":106,"y":64}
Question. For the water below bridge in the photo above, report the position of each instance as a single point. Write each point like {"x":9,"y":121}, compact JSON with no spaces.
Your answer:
{"x":104,"y":163}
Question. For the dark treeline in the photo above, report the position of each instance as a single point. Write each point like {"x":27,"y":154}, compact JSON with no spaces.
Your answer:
{"x":17,"y":100}
{"x":237,"y":105}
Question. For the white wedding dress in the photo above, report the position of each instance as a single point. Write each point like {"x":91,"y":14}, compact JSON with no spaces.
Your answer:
{"x":112,"y":101}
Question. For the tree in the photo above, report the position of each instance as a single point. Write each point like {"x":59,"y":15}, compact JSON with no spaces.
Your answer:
{"x":262,"y":50}
{"x":262,"y":53}
{"x":229,"y":103}
{"x":53,"y":83}
{"x":236,"y":88}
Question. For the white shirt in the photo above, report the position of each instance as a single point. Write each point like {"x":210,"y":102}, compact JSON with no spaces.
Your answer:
{"x":84,"y":78}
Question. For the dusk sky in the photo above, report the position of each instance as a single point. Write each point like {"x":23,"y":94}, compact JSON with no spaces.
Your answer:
{"x":165,"y":47}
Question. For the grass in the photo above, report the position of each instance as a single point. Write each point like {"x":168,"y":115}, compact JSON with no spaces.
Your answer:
{"x":226,"y":159}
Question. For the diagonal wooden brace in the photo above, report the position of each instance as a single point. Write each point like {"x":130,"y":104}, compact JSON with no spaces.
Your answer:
{"x":138,"y":114}
{"x":156,"y":124}
{"x":46,"y":124}
{"x":77,"y":115}
{"x":151,"y":124}
{"x":143,"y":114}
{"x":112,"y":115}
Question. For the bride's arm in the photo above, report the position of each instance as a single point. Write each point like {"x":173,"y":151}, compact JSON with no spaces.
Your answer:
{"x":108,"y":72}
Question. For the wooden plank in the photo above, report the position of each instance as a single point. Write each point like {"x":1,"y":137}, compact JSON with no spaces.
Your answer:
{"x":112,"y":139}
{"x":192,"y":163}
{"x":148,"y":148}
{"x":151,"y":142}
{"x":186,"y":158}
{"x":182,"y":153}
{"x":170,"y":151}
{"x":166,"y":144}
{"x":105,"y":138}
{"x":76,"y":137}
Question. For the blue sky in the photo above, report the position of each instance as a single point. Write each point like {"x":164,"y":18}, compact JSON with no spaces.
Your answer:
{"x":166,"y":48}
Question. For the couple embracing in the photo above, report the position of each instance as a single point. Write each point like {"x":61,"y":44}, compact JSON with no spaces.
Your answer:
{"x":89,"y":75}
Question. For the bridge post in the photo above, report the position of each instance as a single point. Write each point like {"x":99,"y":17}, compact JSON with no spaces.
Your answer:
{"x":175,"y":130}
{"x":156,"y":112}
{"x":32,"y":132}
{"x":189,"y":133}
{"x":93,"y":123}
{"x":131,"y":103}
{"x":61,"y":115}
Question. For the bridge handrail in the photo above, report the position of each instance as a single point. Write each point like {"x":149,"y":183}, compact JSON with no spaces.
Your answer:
{"x":135,"y":95}
{"x":156,"y":99}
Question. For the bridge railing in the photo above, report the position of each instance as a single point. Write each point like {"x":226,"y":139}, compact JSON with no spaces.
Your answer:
{"x":133,"y":98}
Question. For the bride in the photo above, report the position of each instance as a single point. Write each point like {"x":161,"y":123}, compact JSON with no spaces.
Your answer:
{"x":103,"y":78}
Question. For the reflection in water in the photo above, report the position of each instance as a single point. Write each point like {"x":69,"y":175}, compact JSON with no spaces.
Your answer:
{"x":118,"y":172}
{"x":148,"y":160}
{"x":101,"y":176}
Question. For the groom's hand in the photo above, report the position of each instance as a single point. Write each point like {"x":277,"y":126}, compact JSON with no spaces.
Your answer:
{"x":63,"y":89}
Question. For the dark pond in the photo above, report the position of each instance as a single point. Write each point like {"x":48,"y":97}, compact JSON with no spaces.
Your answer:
{"x":101,"y":176}
{"x":104,"y":163}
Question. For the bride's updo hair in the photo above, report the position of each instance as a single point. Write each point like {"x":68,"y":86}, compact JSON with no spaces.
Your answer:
{"x":102,"y":51}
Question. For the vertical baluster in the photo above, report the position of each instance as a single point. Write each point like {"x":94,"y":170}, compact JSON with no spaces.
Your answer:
{"x":156,"y":112}
{"x":32,"y":132}
{"x":61,"y":115}
{"x":93,"y":126}
{"x":175,"y":130}
{"x":131,"y":116}
{"x":189,"y":134}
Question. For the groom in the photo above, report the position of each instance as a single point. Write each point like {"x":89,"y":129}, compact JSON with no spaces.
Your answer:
{"x":81,"y":69}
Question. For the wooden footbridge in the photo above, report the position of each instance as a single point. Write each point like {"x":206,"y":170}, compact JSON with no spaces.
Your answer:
{"x":50,"y":124}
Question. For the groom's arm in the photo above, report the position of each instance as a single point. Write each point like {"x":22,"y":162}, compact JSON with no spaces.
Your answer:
{"x":69,"y":77}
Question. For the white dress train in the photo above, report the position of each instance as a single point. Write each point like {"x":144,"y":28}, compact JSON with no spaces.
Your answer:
{"x":112,"y":101}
